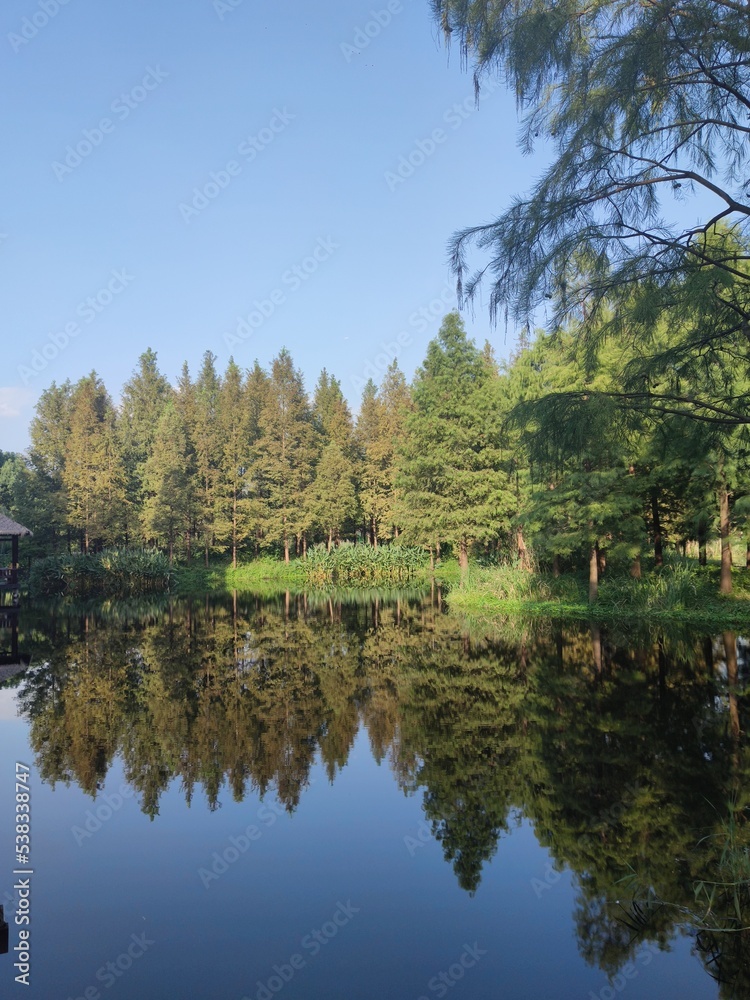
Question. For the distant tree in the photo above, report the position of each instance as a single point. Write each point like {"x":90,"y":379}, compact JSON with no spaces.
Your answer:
{"x":166,"y":482}
{"x":285,"y":454}
{"x":144,"y":397}
{"x":233,"y":522}
{"x":332,"y":498}
{"x":94,"y":475}
{"x":452,"y":489}
{"x":184,"y":401}
{"x":204,"y":433}
{"x":50,"y":432}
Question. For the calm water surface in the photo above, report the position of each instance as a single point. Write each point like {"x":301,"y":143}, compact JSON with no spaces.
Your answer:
{"x":310,"y":798}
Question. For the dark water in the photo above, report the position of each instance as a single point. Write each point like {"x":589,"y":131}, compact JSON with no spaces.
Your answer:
{"x":314,"y":799}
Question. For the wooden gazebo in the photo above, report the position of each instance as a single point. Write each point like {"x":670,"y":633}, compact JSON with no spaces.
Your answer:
{"x":10,"y":531}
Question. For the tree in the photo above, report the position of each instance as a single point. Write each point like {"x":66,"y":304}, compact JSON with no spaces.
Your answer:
{"x":205,"y":439}
{"x":144,"y":397}
{"x":332,"y":498}
{"x":448,"y":466}
{"x":50,"y":432}
{"x":93,"y":474}
{"x":642,"y":103}
{"x":166,"y":482}
{"x":234,"y":508}
{"x":184,"y":401}
{"x":285,"y":453}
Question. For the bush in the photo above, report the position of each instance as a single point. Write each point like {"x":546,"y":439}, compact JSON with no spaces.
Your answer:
{"x":114,"y":571}
{"x":354,"y":564}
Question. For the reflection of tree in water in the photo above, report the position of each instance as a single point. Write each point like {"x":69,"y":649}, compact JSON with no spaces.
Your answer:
{"x":624,"y":758}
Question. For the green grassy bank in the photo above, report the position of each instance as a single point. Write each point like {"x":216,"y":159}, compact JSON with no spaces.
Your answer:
{"x":676,"y":593}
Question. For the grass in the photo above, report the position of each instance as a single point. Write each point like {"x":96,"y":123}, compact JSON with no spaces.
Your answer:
{"x":680,"y":592}
{"x":322,"y":571}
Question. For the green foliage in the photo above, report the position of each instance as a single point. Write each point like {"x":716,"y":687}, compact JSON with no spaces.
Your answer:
{"x":355,"y":564}
{"x":116,"y":571}
{"x":642,"y":104}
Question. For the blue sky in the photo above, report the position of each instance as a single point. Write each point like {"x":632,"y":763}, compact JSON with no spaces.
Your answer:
{"x":171,"y":169}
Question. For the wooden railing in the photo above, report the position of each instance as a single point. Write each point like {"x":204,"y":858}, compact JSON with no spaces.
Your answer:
{"x":8,"y":577}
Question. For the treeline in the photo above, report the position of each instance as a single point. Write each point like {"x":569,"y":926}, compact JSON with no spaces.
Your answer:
{"x":549,"y":459}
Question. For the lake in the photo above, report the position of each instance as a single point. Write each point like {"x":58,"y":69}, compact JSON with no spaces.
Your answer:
{"x":349,"y":798}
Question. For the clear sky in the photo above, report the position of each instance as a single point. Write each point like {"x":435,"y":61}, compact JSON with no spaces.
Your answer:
{"x":172,"y":168}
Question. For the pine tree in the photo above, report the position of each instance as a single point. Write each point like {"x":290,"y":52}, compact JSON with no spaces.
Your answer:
{"x":233,"y":521}
{"x":94,"y":475}
{"x":167,"y":489}
{"x":452,"y":489}
{"x":144,"y":397}
{"x":331,"y":498}
{"x":184,"y":400}
{"x":204,"y":433}
{"x":50,"y":432}
{"x":380,"y":432}
{"x":285,"y":454}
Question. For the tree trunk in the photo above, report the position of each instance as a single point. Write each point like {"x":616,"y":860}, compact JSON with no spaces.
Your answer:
{"x":555,"y":565}
{"x":726,"y":547}
{"x":702,"y":543}
{"x":463,"y":556}
{"x":594,"y":573}
{"x":330,"y":539}
{"x":523,"y":552}
{"x":286,"y":548}
{"x":635,"y":568}
{"x":656,"y":519}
